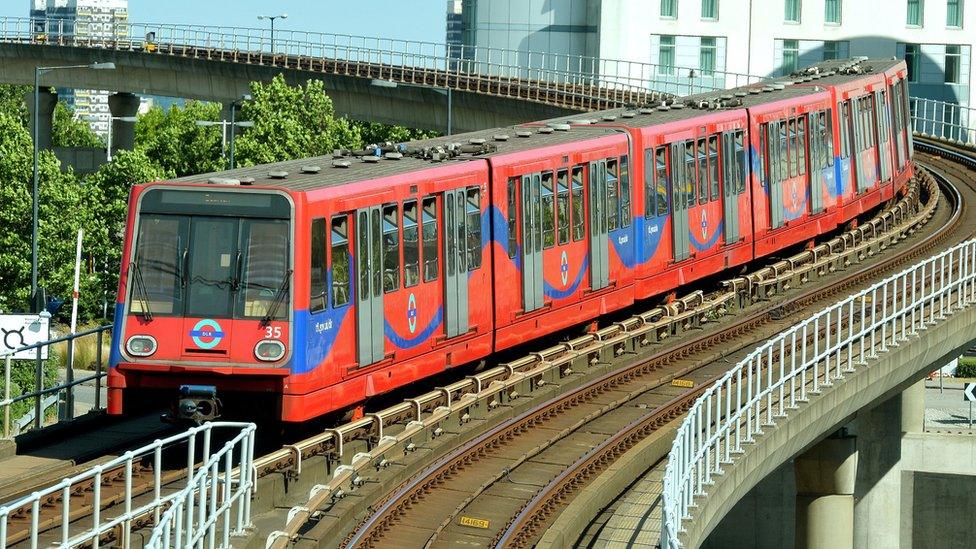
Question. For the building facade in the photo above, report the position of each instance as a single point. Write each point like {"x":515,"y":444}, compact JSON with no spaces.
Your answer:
{"x":83,"y":19}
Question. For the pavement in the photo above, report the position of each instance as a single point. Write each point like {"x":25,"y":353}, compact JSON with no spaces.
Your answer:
{"x":945,"y":407}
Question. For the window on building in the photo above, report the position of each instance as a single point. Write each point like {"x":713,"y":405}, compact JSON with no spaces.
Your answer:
{"x":954,"y":13}
{"x":952,"y":62}
{"x":830,"y":48}
{"x":706,"y":56}
{"x":791,"y":55}
{"x":666,"y":55}
{"x":669,"y":9}
{"x":916,"y":12}
{"x":709,"y":9}
{"x":832,"y":11}
{"x":912,"y":60}
{"x":792,"y":14}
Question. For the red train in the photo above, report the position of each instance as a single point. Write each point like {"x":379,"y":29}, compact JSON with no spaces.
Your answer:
{"x":299,"y":288}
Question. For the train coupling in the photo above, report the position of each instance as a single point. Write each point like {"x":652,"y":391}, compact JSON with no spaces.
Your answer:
{"x":197,"y":403}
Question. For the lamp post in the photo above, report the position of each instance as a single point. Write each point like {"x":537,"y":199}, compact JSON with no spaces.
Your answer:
{"x":224,"y":124}
{"x":38,"y":71}
{"x":272,"y":19}
{"x":235,"y":125}
{"x":446,"y":91}
{"x":108,"y":154}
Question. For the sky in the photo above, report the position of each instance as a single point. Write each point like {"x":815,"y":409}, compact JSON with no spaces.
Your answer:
{"x":400,"y":19}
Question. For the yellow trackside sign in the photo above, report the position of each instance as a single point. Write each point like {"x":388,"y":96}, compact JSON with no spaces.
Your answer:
{"x":687,"y":383}
{"x":473,"y":522}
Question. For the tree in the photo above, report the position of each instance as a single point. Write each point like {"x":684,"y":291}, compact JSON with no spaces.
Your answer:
{"x":291,"y":122}
{"x":67,"y":131}
{"x":374,"y":132}
{"x":172,"y":139}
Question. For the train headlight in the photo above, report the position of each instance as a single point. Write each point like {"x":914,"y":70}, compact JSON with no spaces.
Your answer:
{"x":141,"y":345}
{"x":269,"y":350}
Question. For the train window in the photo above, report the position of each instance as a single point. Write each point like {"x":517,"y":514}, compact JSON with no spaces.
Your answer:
{"x":548,"y":211}
{"x":391,"y":248}
{"x":660,"y":168}
{"x":650,"y":206}
{"x":793,"y":147}
{"x":688,"y":182}
{"x":613,"y":200}
{"x":265,"y":274}
{"x":512,"y":193}
{"x":362,"y":225}
{"x":318,"y":268}
{"x":829,"y":135}
{"x":843,"y":115}
{"x":411,"y":245}
{"x":341,"y":267}
{"x":459,"y":228}
{"x":763,"y":152}
{"x":702,"y":172}
{"x":562,"y":206}
{"x":473,"y":214}
{"x":578,"y":219}
{"x":801,"y":142}
{"x":784,"y":150}
{"x":740,"y":161}
{"x":429,"y":231}
{"x":376,"y":259}
{"x":713,"y":165}
{"x":624,"y":192}
{"x":160,"y":247}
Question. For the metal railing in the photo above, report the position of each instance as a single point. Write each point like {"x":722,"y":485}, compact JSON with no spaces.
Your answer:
{"x":64,"y":390}
{"x":799,"y":362}
{"x":214,"y":489}
{"x":627,"y":81}
{"x":943,"y":120}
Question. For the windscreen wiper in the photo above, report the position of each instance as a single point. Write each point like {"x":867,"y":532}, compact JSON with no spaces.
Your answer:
{"x":278,"y":299}
{"x":139,"y":286}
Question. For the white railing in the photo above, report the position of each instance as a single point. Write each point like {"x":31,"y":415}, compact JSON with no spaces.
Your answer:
{"x":943,"y":120}
{"x":454,"y":59}
{"x":222,"y":479}
{"x":799,"y":362}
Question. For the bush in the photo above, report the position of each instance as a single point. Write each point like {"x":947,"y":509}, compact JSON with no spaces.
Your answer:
{"x":966,"y":367}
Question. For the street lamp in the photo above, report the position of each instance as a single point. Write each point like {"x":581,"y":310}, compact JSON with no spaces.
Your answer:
{"x":223,"y":133}
{"x":233,"y":112}
{"x":108,"y":154}
{"x":38,"y":71}
{"x":446,"y":91}
{"x":272,"y":19}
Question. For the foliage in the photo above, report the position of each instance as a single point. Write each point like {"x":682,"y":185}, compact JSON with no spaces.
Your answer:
{"x":12,"y":102}
{"x":172,"y":140}
{"x":966,"y":367}
{"x":291,"y":122}
{"x":67,"y":131}
{"x":373,"y":132}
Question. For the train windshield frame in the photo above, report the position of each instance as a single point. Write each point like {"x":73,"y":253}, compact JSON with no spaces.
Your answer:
{"x":199,"y":263}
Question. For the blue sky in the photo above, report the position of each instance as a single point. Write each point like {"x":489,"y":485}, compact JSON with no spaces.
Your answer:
{"x":402,"y":19}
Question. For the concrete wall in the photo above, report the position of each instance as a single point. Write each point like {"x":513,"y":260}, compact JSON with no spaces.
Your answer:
{"x":942,"y":515}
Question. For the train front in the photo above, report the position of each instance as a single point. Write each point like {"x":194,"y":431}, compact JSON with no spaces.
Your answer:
{"x":203,"y":318}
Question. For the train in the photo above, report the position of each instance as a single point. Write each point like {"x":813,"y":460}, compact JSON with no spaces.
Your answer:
{"x":301,"y":288}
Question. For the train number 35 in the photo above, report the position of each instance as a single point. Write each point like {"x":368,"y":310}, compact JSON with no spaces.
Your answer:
{"x":272,"y":332}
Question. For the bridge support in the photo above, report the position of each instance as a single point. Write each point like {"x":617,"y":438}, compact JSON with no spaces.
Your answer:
{"x":825,"y":479}
{"x":123,"y":133}
{"x":47,"y":100}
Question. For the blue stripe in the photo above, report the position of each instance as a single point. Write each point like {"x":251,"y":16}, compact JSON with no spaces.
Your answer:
{"x":410,"y":342}
{"x":554,"y":293}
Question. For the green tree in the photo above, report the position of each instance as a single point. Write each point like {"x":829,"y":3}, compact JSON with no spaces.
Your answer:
{"x":67,"y":131}
{"x":291,"y":122}
{"x":374,"y":132}
{"x":173,"y":140}
{"x":13,"y":101}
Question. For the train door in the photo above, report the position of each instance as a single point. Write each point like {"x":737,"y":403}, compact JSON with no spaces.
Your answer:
{"x":682,"y":195}
{"x":733,"y":164}
{"x":369,"y":286}
{"x":883,"y":129}
{"x":456,"y":268}
{"x":777,"y":155}
{"x":897,"y":108}
{"x":599,"y":233}
{"x":704,"y":209}
{"x":821,"y":158}
{"x":532,"y":287}
{"x":845,"y":130}
{"x":864,"y":138}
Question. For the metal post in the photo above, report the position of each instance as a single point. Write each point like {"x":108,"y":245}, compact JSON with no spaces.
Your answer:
{"x":6,"y":398}
{"x":98,"y":370}
{"x":39,"y":386}
{"x":108,"y":150}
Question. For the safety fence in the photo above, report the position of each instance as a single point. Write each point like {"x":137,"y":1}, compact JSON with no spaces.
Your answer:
{"x":799,"y":362}
{"x":84,"y":350}
{"x":406,"y":61}
{"x":199,"y":512}
{"x":949,"y":121}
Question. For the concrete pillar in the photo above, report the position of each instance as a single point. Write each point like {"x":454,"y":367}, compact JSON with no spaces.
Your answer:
{"x":47,"y":100}
{"x":123,"y":133}
{"x":913,"y":408}
{"x":825,"y":479}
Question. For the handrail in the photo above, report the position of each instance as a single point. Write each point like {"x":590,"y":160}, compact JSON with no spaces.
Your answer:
{"x":200,"y":478}
{"x":943,"y":120}
{"x":801,"y":360}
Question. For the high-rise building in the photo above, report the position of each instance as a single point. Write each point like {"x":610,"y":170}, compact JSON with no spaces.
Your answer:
{"x":92,"y":19}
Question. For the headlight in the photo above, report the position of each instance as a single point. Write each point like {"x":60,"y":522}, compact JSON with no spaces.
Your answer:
{"x":269,"y":350}
{"x":141,"y":345}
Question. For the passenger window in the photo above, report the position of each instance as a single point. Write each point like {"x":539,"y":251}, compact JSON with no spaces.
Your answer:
{"x":613,"y":201}
{"x":713,"y":165}
{"x":512,"y":242}
{"x":411,"y":245}
{"x":562,"y":206}
{"x":689,"y":182}
{"x":763,"y":151}
{"x":578,"y":221}
{"x":473,"y":214}
{"x":650,"y":199}
{"x":341,"y":268}
{"x":624,"y":192}
{"x":801,"y":145}
{"x":702,"y":173}
{"x":793,"y":147}
{"x":660,"y":167}
{"x":391,"y":248}
{"x":741,"y":168}
{"x":319,"y":281}
{"x":429,"y":231}
{"x":548,"y":211}
{"x":784,"y":150}
{"x":828,"y":128}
